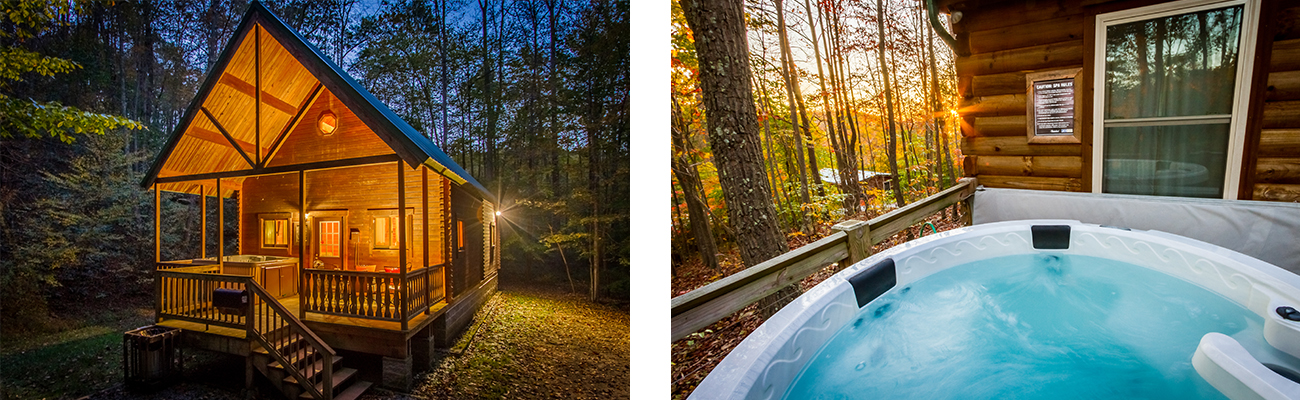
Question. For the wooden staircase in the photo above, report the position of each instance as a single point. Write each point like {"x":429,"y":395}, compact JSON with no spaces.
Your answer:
{"x":310,"y":363}
{"x":296,"y":361}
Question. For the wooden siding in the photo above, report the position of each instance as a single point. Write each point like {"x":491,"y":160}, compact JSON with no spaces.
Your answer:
{"x":233,"y":102}
{"x":352,"y":138}
{"x":467,"y":270}
{"x":1008,"y":39}
{"x":364,"y":192}
{"x":1277,"y":149}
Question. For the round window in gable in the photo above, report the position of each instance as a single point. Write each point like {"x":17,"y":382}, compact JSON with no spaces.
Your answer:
{"x":327,"y":123}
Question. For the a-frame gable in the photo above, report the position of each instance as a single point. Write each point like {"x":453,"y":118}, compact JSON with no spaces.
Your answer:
{"x":292,"y":76}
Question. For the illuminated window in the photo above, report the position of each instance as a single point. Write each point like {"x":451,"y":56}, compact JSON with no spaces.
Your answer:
{"x":275,"y":230}
{"x":329,"y":239}
{"x":327,"y":123}
{"x":385,"y":233}
{"x":460,"y":235}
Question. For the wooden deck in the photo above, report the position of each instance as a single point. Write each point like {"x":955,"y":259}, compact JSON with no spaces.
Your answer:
{"x":292,"y":303}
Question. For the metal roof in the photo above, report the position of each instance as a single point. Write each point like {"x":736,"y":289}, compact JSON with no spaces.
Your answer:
{"x":409,"y":144}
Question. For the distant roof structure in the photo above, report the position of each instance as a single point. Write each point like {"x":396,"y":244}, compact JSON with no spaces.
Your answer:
{"x":408,"y":143}
{"x":833,"y":176}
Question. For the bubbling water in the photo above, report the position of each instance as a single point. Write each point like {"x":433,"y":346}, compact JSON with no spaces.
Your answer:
{"x":1036,"y":326}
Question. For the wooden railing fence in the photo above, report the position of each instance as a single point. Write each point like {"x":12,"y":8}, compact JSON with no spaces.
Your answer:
{"x":187,"y":296}
{"x":850,"y":243}
{"x":371,"y":295}
{"x":417,"y":292}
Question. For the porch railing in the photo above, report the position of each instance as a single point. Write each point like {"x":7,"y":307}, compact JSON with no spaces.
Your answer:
{"x":187,"y":296}
{"x":371,"y":295}
{"x":851,"y":243}
{"x":417,"y":292}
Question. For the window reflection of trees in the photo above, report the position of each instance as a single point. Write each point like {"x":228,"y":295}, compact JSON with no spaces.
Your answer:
{"x":1173,"y":66}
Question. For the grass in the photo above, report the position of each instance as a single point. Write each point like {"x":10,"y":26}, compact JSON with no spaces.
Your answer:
{"x":69,"y":363}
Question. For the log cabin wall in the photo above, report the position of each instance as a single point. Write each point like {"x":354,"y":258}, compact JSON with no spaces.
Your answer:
{"x":468,"y":266}
{"x":1277,"y":144}
{"x":364,"y":192}
{"x":1008,"y":39}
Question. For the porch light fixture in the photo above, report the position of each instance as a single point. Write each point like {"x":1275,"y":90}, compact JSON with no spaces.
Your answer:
{"x":327,"y":123}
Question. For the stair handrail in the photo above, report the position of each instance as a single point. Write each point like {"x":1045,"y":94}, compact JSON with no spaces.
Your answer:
{"x":295,"y":325}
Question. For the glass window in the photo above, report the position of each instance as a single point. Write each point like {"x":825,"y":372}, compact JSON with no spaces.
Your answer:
{"x":275,"y":232}
{"x":1169,"y":93}
{"x":386,"y":232}
{"x":329,"y":239}
{"x":460,"y":235}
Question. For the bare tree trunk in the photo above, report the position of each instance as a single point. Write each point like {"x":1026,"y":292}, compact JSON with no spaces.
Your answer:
{"x":889,"y":104}
{"x":791,"y":86}
{"x":690,"y":181}
{"x":720,"y":41}
{"x":944,"y":156}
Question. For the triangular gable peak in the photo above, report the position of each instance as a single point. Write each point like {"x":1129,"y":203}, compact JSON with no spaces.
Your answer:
{"x":228,"y":133}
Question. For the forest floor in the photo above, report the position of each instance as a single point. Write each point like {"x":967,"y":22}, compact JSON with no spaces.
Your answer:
{"x":536,"y":343}
{"x":527,"y":342}
{"x":696,"y":354}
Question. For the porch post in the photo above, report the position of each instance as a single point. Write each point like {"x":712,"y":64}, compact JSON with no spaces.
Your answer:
{"x":221,"y":230}
{"x":449,"y":254}
{"x":401,"y":242}
{"x":157,"y":254}
{"x":424,"y":235}
{"x":157,"y":226}
{"x":302,"y":240}
{"x":203,"y":221}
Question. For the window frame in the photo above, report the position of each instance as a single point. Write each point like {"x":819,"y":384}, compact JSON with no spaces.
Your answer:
{"x":1241,"y":94}
{"x":391,"y":214}
{"x":263,"y":218}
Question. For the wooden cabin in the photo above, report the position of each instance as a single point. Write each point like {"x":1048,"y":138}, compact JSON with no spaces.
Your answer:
{"x":868,"y":179}
{"x":356,"y":235}
{"x":1188,"y":98}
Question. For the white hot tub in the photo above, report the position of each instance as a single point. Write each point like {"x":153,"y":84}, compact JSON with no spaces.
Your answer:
{"x":1031,"y":309}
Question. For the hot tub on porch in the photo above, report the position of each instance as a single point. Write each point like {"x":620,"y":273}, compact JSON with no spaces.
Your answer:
{"x":278,"y":275}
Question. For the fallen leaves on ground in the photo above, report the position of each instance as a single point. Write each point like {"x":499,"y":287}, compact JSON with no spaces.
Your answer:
{"x":533,"y":344}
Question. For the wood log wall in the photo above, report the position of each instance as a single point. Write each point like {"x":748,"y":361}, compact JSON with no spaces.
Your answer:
{"x":364,"y":192}
{"x":1007,"y":39}
{"x":1277,"y":162}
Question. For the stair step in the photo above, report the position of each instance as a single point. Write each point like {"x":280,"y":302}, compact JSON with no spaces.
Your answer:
{"x":316,"y":365}
{"x":315,"y":368}
{"x":351,"y":393}
{"x":280,"y":344}
{"x":340,"y":376}
{"x":294,"y":356}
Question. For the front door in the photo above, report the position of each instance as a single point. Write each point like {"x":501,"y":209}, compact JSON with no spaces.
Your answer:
{"x":328,"y":232}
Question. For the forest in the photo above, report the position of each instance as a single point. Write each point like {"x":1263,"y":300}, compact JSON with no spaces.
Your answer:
{"x":855,"y":103}
{"x":853,"y":108}
{"x":531,"y":97}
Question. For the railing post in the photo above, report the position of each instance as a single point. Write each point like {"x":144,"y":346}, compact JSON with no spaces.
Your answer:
{"x":858,"y":234}
{"x":967,"y":208}
{"x":252,"y":307}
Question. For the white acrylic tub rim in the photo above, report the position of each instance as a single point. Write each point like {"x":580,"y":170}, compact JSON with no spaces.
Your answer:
{"x":766,"y":362}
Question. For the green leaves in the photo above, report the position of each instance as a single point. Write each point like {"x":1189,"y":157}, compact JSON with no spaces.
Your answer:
{"x":26,"y":117}
{"x":35,"y":119}
{"x":14,"y":62}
